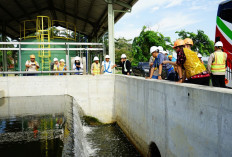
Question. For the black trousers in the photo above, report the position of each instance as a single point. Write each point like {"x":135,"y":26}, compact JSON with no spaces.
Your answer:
{"x":218,"y":80}
{"x":201,"y":81}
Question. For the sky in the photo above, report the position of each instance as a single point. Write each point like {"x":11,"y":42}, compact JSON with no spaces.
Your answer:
{"x":169,"y":16}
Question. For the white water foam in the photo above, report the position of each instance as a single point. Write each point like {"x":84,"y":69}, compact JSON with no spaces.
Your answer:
{"x":89,"y":146}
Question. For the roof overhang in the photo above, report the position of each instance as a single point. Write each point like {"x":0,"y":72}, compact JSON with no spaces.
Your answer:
{"x":89,"y":16}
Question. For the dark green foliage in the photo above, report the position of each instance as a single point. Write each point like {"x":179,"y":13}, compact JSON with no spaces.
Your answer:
{"x":202,"y":43}
{"x":147,"y":38}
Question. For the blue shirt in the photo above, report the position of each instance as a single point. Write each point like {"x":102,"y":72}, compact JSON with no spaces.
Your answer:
{"x":159,"y":60}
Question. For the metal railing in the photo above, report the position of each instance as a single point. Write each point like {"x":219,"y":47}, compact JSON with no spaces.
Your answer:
{"x":86,"y":48}
{"x":38,"y":72}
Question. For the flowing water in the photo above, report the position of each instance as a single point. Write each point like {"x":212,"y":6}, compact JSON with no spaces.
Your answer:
{"x":50,"y":126}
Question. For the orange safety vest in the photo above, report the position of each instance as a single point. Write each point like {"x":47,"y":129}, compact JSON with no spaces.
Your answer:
{"x":192,"y":65}
{"x":219,"y":64}
{"x":96,"y":69}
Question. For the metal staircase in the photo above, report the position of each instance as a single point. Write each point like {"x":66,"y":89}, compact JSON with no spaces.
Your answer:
{"x":43,"y":35}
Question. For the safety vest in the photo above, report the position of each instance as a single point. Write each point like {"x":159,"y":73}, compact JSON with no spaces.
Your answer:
{"x":61,"y":68}
{"x":106,"y":69}
{"x":96,"y":69}
{"x":55,"y":67}
{"x":192,"y":65}
{"x":219,"y":64}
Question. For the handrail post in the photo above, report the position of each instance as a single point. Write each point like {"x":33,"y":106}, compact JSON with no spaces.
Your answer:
{"x":20,"y":57}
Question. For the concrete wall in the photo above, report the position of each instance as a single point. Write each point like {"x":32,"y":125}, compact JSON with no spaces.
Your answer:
{"x":1,"y":93}
{"x":18,"y":106}
{"x":182,"y":119}
{"x":93,"y":94}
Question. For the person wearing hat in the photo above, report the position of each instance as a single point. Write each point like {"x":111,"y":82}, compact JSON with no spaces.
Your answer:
{"x":217,"y":64}
{"x":95,"y":67}
{"x":62,"y":67}
{"x":55,"y":65}
{"x":153,"y":49}
{"x":165,"y":53}
{"x":31,"y":65}
{"x":200,"y":58}
{"x":125,"y":64}
{"x":107,"y":66}
{"x":188,"y":43}
{"x":78,"y":66}
{"x":170,"y":57}
{"x":195,"y":71}
{"x":165,"y":71}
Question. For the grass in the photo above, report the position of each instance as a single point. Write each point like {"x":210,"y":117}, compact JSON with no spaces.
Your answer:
{"x":91,"y":121}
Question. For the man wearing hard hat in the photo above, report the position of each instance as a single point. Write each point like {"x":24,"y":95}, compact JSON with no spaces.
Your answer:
{"x":200,"y":58}
{"x":32,"y":65}
{"x":126,"y":65}
{"x":55,"y":65}
{"x":188,"y":43}
{"x":153,"y":49}
{"x":62,"y":67}
{"x":107,"y":66}
{"x":78,"y":66}
{"x":217,"y":65}
{"x":195,"y":71}
{"x":165,"y":71}
{"x":95,"y":67}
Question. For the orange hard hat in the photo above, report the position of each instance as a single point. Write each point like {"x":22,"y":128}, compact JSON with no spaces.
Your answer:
{"x":188,"y":41}
{"x":32,"y":56}
{"x":178,"y":42}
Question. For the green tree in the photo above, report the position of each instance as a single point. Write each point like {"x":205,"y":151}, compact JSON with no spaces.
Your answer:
{"x":147,"y":38}
{"x":123,"y":46}
{"x":202,"y":43}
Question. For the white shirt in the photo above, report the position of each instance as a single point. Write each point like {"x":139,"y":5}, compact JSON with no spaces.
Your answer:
{"x":106,"y":65}
{"x":33,"y":67}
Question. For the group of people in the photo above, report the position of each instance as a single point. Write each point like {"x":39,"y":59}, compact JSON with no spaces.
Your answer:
{"x":107,"y":66}
{"x":58,"y":66}
{"x":189,"y":66}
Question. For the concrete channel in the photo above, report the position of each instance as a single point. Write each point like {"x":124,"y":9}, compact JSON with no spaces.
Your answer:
{"x":159,"y":117}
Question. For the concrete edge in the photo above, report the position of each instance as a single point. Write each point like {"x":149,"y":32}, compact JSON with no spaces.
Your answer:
{"x":2,"y":94}
{"x":194,"y":86}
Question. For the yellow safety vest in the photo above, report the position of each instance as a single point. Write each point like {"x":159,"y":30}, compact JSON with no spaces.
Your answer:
{"x":55,"y":67}
{"x":192,"y":65}
{"x":96,"y":69}
{"x":219,"y":64}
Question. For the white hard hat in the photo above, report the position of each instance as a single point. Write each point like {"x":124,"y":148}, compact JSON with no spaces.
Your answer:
{"x":55,"y":59}
{"x":161,"y":49}
{"x":62,"y":60}
{"x":123,"y":56}
{"x":77,"y":58}
{"x":95,"y":58}
{"x":219,"y":44}
{"x":199,"y":55}
{"x":165,"y":52}
{"x":107,"y":56}
{"x":153,"y":49}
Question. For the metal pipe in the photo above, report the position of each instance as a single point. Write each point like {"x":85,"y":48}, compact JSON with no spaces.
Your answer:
{"x":38,"y":72}
{"x":52,"y":43}
{"x":20,"y":56}
{"x":52,"y":49}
